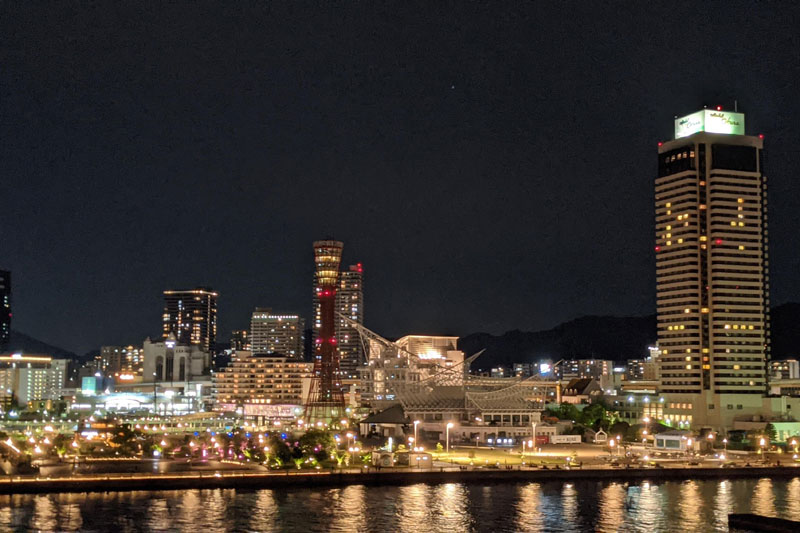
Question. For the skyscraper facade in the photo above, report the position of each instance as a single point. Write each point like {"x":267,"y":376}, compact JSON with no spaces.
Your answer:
{"x":711,"y":267}
{"x":276,"y":333}
{"x":240,"y":340}
{"x":192,"y":316}
{"x":5,"y":309}
{"x":350,"y":303}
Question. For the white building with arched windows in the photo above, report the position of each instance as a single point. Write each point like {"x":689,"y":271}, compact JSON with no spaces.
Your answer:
{"x":167,"y":361}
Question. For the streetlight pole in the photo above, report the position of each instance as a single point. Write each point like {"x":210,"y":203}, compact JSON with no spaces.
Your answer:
{"x":447,"y":432}
{"x":533,"y":433}
{"x":155,"y":400}
{"x":416,"y":423}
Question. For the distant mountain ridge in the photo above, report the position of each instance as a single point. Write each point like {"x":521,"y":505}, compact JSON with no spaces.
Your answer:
{"x":605,"y":337}
{"x":600,"y":337}
{"x":22,"y":343}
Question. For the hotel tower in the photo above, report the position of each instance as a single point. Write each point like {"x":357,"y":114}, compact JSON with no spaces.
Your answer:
{"x":711,"y":269}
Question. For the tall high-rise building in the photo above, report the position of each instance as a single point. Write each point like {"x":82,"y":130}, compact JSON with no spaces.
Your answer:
{"x":712,"y":267}
{"x":325,"y":398}
{"x":272,"y":333}
{"x":5,"y":309}
{"x":240,"y":340}
{"x":350,"y":303}
{"x":192,"y":316}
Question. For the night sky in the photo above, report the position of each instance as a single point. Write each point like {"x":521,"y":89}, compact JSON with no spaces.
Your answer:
{"x":491,"y":167}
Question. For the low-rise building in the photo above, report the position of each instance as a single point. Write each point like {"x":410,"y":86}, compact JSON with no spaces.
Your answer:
{"x":675,"y":441}
{"x":117,"y":361}
{"x":581,"y":391}
{"x":262,"y":379}
{"x":584,"y":368}
{"x":26,"y":378}
{"x":786,"y":369}
{"x":170,"y":361}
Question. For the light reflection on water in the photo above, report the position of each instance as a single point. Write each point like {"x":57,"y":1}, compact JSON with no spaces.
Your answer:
{"x":497,"y":507}
{"x":691,"y":506}
{"x":763,"y":498}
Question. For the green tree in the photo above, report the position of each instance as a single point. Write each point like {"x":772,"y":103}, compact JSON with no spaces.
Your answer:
{"x":770,"y":432}
{"x":317,"y":442}
{"x":567,"y":411}
{"x":125,"y":440}
{"x":61,"y":443}
{"x":619,"y":428}
{"x":592,"y":415}
{"x":279,"y":450}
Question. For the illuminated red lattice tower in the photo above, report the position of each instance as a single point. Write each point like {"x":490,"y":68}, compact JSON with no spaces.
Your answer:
{"x":325,"y":399}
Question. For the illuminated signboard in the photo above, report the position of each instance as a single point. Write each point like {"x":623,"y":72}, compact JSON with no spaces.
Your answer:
{"x":89,"y":386}
{"x":269,"y":410}
{"x":710,"y":121}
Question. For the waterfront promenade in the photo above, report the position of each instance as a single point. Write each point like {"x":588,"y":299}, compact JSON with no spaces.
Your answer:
{"x":370,"y":476}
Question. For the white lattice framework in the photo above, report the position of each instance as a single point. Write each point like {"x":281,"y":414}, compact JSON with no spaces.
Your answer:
{"x":454,"y":388}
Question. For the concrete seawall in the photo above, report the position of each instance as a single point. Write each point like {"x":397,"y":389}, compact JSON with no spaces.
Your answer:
{"x":111,"y":482}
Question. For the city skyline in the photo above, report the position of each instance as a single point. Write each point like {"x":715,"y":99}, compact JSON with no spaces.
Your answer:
{"x":482,"y":181}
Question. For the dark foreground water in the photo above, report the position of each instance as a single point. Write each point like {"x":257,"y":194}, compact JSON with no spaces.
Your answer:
{"x":580,"y":506}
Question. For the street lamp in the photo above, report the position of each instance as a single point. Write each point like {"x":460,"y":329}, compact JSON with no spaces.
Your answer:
{"x":449,"y":425}
{"x":725,"y":444}
{"x":416,"y":423}
{"x":611,"y":444}
{"x":794,"y":443}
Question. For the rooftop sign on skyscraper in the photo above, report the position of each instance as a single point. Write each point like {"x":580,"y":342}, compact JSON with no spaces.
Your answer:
{"x":710,"y":121}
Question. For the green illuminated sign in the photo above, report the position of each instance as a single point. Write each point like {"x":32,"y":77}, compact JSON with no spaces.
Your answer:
{"x":710,"y":121}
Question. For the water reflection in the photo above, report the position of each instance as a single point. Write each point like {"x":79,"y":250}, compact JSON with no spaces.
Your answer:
{"x":793,"y":499}
{"x":763,"y":498}
{"x":350,"y":509}
{"x":448,"y":503}
{"x":529,"y":514}
{"x":691,"y":506}
{"x":569,"y":504}
{"x":612,"y":507}
{"x":496,"y":508}
{"x":265,"y":512}
{"x":412,"y":506}
{"x":645,"y":507}
{"x":724,"y":505}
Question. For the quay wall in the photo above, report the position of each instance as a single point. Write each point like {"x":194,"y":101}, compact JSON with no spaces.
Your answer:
{"x":252,"y":481}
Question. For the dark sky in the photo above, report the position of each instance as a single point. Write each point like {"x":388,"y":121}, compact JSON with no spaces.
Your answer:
{"x":492,"y":167}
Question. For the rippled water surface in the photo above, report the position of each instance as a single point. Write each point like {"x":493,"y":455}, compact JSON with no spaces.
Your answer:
{"x":496,"y":507}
